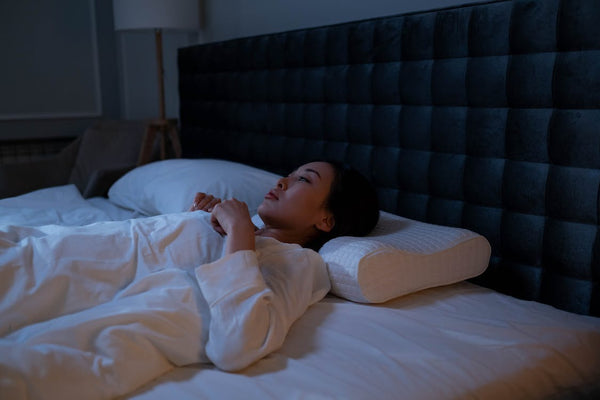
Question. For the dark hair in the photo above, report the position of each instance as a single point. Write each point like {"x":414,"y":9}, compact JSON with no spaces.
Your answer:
{"x":353,"y":203}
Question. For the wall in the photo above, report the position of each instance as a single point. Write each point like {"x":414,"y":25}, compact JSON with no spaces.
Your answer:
{"x":138,"y":75}
{"x":67,"y":66}
{"x":226,"y":19}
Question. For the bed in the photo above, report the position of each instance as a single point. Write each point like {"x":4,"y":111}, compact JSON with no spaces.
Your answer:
{"x":479,"y":126}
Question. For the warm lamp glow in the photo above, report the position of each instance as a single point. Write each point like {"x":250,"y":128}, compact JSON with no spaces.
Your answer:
{"x":156,"y":14}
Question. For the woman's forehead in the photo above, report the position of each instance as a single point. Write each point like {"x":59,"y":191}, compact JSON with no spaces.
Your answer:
{"x":319,"y":168}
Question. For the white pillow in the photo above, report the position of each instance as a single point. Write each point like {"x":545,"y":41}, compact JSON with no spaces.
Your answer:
{"x":402,"y":256}
{"x":169,"y":186}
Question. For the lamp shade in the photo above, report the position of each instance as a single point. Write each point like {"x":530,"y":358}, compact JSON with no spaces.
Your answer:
{"x":156,"y":14}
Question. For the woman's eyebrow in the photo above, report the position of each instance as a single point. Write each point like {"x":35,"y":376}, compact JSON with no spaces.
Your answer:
{"x":313,"y":171}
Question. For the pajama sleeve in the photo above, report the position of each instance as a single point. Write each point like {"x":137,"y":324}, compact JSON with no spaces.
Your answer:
{"x":248,"y":317}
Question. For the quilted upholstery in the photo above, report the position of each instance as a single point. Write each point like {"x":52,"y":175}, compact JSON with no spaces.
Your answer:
{"x":485,"y":117}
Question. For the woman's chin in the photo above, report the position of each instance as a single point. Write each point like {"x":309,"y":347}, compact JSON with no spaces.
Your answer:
{"x":262,"y":210}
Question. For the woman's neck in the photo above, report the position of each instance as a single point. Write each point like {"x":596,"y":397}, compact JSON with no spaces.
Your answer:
{"x":284,"y":235}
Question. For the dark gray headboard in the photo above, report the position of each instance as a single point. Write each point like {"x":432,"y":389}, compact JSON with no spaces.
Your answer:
{"x":484,"y":116}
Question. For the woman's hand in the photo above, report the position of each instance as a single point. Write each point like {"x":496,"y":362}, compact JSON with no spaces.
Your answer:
{"x":204,"y":202}
{"x":231,"y":218}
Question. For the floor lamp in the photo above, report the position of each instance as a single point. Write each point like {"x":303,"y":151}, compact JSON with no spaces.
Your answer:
{"x":158,"y":15}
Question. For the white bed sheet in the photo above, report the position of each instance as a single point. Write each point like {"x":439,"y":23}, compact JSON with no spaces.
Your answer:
{"x":59,"y":205}
{"x":113,"y":211}
{"x":454,"y":342}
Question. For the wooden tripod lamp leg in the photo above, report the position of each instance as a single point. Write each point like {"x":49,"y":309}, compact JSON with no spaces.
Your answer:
{"x":166,"y":128}
{"x":147,"y":144}
{"x":175,"y":143}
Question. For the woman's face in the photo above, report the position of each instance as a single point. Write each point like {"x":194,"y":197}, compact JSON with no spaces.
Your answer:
{"x":298,"y":201}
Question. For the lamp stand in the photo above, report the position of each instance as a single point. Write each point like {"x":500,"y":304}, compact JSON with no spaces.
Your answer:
{"x":167,"y":128}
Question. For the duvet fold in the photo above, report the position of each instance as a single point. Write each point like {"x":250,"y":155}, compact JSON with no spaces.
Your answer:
{"x":109,"y":305}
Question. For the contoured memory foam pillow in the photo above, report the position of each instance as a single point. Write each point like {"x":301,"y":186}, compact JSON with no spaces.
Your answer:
{"x":402,"y":256}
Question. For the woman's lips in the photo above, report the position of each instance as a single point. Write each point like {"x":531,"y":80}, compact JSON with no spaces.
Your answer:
{"x":271,"y":195}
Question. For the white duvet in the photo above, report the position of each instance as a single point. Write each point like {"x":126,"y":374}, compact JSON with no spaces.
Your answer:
{"x":61,"y":205}
{"x":102,"y":319}
{"x":95,"y":311}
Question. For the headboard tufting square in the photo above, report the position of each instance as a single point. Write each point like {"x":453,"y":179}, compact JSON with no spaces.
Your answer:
{"x":484,"y":116}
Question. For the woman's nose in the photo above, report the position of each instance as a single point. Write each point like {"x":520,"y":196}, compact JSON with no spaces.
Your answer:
{"x":282,"y":184}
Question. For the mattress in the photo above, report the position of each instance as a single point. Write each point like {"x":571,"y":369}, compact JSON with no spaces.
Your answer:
{"x":453,"y":342}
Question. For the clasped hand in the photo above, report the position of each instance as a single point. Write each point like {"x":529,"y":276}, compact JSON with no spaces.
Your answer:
{"x":227,"y":216}
{"x":204,"y":202}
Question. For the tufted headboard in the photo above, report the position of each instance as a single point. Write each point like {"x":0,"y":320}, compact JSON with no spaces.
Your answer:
{"x":484,"y":116}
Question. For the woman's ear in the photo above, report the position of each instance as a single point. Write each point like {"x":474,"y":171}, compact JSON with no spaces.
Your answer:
{"x":326,"y":223}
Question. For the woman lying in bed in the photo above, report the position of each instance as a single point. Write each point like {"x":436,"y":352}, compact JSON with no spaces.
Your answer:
{"x":105,"y":307}
{"x":318,"y":201}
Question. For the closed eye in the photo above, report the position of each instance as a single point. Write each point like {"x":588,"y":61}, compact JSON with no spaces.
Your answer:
{"x":300,"y":178}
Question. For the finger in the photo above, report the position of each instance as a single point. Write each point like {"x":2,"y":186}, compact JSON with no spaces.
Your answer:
{"x":212,"y":204}
{"x":216,"y":225}
{"x":204,"y":200}
{"x":199,"y":196}
{"x":208,"y":203}
{"x":197,"y":199}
